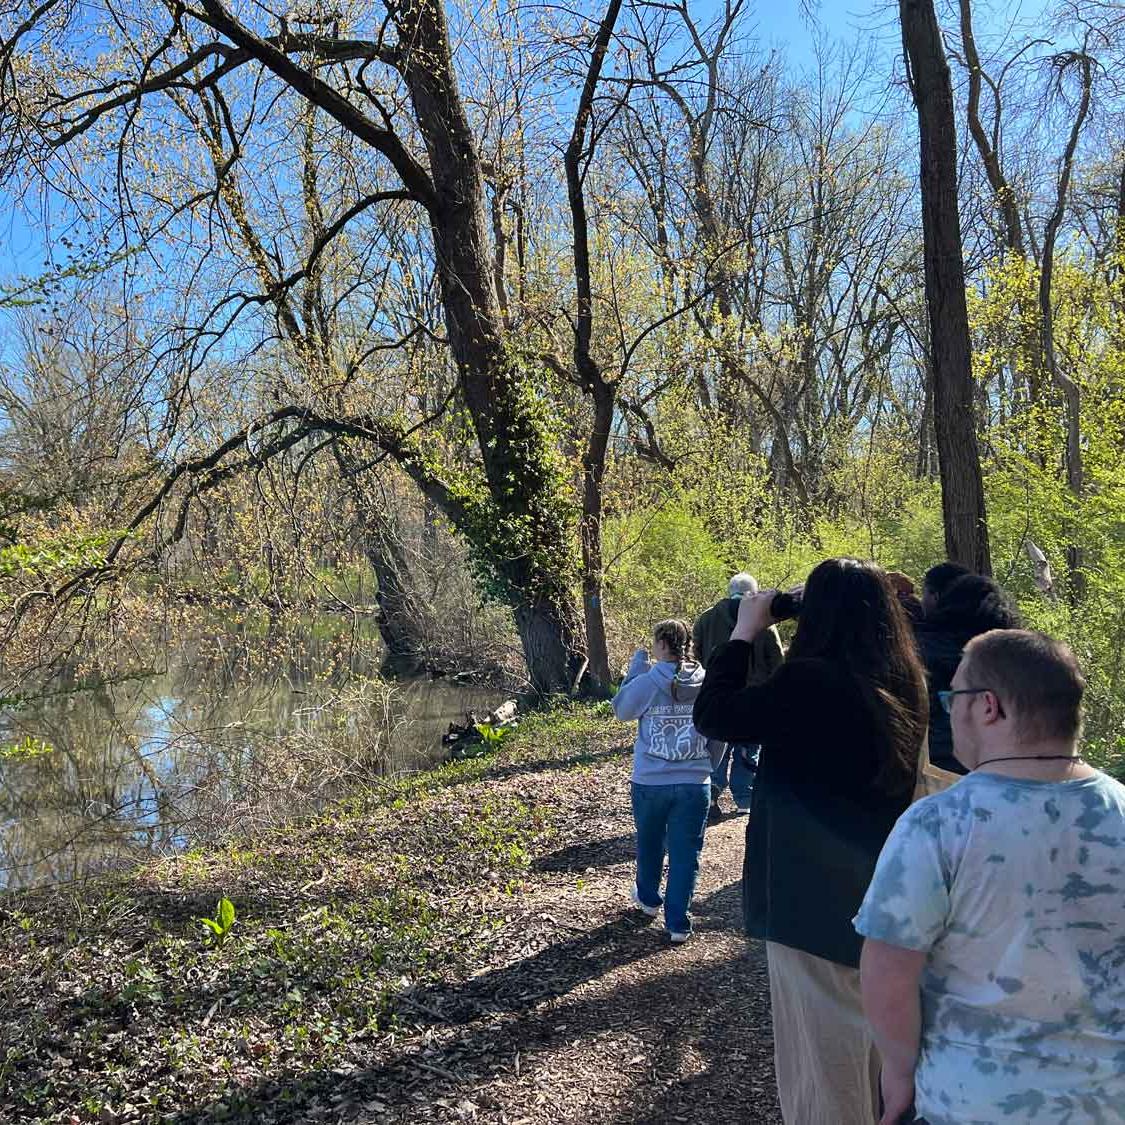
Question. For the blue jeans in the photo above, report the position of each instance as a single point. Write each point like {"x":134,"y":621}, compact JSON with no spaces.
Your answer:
{"x":672,"y":819}
{"x":741,"y":759}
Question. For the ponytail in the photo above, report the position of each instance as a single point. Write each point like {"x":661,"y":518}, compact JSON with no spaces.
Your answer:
{"x":677,"y":636}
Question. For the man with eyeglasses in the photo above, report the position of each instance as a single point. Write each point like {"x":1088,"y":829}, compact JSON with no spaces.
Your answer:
{"x":993,"y":970}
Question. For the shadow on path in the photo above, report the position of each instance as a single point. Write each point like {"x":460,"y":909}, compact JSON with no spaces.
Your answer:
{"x":713,"y":1012}
{"x":600,"y":1026}
{"x":593,"y":853}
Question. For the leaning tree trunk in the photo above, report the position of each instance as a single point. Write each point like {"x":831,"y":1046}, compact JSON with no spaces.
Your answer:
{"x":400,"y":620}
{"x":1007,"y":204}
{"x":962,"y":488}
{"x":522,"y":528}
{"x":525,"y":533}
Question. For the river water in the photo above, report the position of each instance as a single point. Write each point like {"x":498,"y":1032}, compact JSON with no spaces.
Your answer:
{"x":228,"y":730}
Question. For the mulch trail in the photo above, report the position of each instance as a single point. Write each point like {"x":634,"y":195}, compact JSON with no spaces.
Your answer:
{"x":579,"y":1011}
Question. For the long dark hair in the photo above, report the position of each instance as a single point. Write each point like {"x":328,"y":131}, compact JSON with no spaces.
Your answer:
{"x":850,"y":616}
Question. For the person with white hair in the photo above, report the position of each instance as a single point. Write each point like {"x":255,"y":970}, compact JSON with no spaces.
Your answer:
{"x":742,"y":583}
{"x":737,"y":762}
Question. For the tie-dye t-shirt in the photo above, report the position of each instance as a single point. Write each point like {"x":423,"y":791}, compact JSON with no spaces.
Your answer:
{"x":1016,"y":889}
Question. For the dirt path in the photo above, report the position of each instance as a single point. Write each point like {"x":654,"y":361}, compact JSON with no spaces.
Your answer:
{"x":583,"y":1014}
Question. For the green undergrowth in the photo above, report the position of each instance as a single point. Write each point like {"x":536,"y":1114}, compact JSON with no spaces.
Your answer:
{"x":121,"y":1004}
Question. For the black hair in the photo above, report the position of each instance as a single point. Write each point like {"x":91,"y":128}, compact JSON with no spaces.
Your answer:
{"x":974,"y":604}
{"x":851,"y":616}
{"x":940,"y":577}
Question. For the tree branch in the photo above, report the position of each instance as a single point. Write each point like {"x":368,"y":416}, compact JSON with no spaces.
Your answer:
{"x":413,"y":175}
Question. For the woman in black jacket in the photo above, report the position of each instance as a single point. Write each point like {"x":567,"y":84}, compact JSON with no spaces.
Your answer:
{"x":841,"y":724}
{"x":967,"y":607}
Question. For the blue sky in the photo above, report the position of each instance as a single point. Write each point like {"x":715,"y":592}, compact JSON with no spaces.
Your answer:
{"x":781,"y":25}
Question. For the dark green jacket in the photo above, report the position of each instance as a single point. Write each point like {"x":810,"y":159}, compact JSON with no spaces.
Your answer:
{"x":713,"y":630}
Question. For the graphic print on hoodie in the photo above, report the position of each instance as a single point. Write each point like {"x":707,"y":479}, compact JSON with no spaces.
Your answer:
{"x":668,"y":750}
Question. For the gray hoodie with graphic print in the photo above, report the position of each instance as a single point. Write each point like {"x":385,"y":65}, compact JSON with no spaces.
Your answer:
{"x":668,"y":750}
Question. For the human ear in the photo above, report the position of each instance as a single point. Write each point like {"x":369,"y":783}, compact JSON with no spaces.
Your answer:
{"x":994,"y":709}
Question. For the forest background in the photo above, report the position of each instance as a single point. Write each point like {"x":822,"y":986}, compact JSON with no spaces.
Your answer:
{"x":517,"y":328}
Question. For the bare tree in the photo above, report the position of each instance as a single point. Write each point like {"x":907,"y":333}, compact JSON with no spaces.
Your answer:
{"x":988,"y":141}
{"x":592,"y":379}
{"x":963,"y":508}
{"x":414,"y":122}
{"x":72,"y":408}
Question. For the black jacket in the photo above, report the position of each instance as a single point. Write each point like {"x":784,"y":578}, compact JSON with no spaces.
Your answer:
{"x":817,"y":823}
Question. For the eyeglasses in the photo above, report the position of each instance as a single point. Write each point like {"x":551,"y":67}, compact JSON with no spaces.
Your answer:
{"x":946,"y":698}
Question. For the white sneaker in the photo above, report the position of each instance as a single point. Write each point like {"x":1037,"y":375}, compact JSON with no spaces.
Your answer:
{"x":677,"y":937}
{"x":643,"y":907}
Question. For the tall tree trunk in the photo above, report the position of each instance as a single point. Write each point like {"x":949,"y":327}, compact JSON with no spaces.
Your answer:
{"x":593,"y":563}
{"x":1071,"y":391}
{"x":1119,"y":226}
{"x":524,"y":483}
{"x":962,"y":488}
{"x":591,"y":378}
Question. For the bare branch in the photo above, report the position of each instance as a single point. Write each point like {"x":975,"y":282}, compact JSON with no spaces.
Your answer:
{"x":414,"y":176}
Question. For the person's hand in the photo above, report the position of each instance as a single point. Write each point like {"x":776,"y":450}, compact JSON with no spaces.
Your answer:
{"x":753,"y":615}
{"x":898,"y":1096}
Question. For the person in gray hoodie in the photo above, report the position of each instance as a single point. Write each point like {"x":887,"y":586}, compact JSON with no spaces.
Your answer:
{"x":671,"y":782}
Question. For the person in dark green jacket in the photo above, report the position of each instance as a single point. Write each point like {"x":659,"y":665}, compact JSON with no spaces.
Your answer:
{"x":737,"y":762}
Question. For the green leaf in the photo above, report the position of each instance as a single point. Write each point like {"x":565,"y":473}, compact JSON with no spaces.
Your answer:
{"x":226,"y":913}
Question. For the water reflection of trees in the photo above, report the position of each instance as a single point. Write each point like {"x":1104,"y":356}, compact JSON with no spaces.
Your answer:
{"x":239,"y":727}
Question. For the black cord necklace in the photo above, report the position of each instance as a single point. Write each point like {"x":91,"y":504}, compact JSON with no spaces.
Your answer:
{"x":1033,"y":758}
